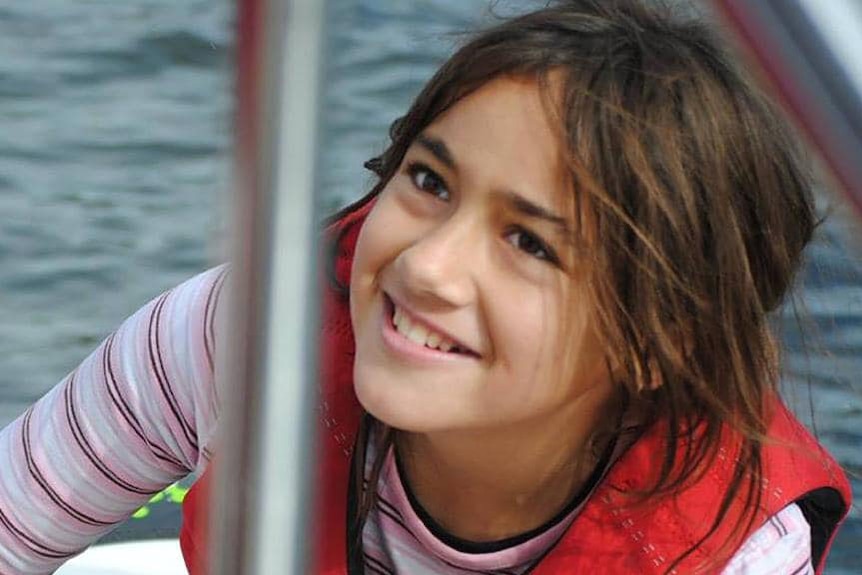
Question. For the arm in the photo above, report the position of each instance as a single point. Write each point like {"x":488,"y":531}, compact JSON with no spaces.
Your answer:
{"x":135,"y":416}
{"x":782,"y":546}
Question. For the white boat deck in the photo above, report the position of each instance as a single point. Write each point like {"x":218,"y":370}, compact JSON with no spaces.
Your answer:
{"x":154,"y":557}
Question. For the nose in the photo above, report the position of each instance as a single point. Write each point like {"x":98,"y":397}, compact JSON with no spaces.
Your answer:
{"x":439,"y":267}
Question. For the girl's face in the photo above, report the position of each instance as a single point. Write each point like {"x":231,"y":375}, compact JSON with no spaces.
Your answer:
{"x":467,"y":296}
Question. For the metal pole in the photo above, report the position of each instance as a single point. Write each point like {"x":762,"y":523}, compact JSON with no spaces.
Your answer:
{"x":288,"y":406}
{"x":265,"y":463}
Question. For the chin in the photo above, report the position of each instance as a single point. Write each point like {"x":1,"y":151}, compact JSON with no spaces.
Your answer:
{"x":392,"y":408}
{"x":381,"y":406}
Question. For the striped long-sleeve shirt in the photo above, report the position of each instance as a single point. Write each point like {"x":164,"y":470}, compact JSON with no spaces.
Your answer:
{"x":133,"y":417}
{"x":140,"y":412}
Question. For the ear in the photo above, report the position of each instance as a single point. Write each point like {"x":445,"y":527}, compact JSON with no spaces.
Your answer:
{"x":653,"y":380}
{"x":679,"y":346}
{"x":643,"y":381}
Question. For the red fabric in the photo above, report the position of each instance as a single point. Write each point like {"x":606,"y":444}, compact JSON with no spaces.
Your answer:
{"x":194,"y":533}
{"x":610,"y":535}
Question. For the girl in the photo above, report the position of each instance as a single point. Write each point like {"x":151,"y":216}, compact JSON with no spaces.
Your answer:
{"x":546,"y":342}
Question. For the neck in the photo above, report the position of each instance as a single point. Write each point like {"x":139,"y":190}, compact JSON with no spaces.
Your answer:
{"x":487,"y":485}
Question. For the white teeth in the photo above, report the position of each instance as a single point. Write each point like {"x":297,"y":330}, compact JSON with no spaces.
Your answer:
{"x":434,"y":339}
{"x":419,"y":334}
{"x":404,"y":324}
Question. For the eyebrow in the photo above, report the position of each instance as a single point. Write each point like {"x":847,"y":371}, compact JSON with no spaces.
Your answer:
{"x":530,"y":209}
{"x":438,"y":149}
{"x":441,"y":151}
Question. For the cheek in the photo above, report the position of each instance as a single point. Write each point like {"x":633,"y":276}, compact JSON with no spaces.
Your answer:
{"x":374,"y":249}
{"x":526,"y":340}
{"x":529,"y":319}
{"x":548,"y":353}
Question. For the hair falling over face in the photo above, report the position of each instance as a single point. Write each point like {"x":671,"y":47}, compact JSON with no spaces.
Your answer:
{"x":696,"y":209}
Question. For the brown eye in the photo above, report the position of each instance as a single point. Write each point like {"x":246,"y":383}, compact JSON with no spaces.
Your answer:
{"x":427,"y":180}
{"x":530,"y":244}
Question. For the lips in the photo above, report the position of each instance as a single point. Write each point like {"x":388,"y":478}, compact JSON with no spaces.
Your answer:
{"x":421,"y":332}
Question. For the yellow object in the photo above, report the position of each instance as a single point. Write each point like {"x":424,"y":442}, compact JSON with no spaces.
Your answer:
{"x":174,"y":493}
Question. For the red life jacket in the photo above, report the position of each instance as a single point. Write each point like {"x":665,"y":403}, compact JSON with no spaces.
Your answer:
{"x":609,"y":535}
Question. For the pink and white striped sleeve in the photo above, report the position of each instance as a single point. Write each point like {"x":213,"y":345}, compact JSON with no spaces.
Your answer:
{"x":781,"y":546}
{"x":135,"y":416}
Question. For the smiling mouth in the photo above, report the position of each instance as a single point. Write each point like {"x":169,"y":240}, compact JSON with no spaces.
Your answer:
{"x":419,"y":333}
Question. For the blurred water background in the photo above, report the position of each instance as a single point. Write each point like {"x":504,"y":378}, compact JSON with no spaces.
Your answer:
{"x":115,"y":136}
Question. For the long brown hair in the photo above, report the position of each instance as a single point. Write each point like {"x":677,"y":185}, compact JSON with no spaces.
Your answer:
{"x":699,"y":203}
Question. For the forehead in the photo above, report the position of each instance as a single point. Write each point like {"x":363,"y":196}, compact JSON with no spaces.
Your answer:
{"x":504,"y":131}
